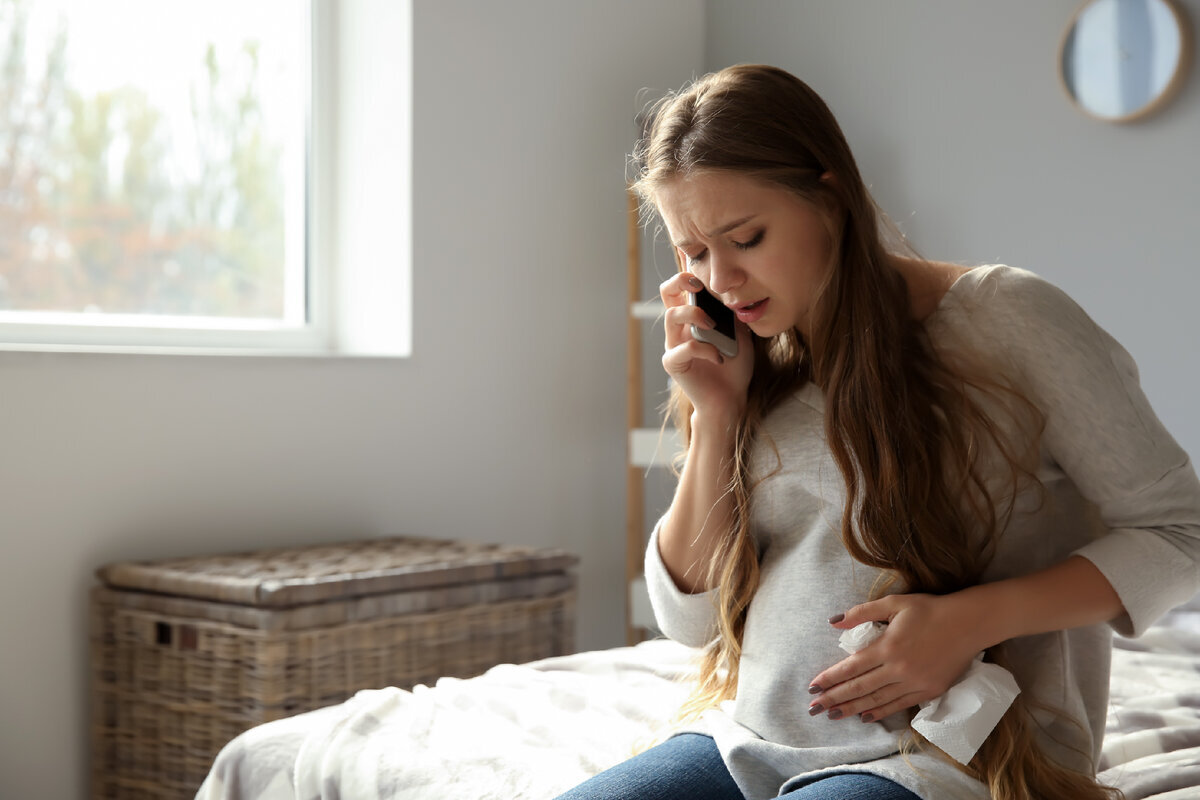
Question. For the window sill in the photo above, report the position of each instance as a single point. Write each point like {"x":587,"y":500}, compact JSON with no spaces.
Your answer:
{"x":151,"y":350}
{"x":251,"y":339}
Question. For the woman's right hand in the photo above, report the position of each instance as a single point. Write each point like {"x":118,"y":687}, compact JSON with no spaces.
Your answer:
{"x":715,"y":385}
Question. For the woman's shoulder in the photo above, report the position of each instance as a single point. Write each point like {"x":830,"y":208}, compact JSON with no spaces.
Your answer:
{"x":1011,"y":301}
{"x":948,"y":289}
{"x":1018,"y":320}
{"x":1003,"y":283}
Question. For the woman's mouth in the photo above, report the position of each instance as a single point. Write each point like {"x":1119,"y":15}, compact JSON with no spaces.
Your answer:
{"x":751,"y":312}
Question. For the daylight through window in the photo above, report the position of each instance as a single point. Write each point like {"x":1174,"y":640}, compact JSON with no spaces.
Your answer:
{"x":153,"y":163}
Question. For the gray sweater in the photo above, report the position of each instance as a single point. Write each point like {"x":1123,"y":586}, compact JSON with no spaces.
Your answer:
{"x":1119,"y":491}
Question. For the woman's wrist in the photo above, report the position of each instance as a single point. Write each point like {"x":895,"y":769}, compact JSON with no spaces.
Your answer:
{"x":986,"y":612}
{"x":719,"y":423}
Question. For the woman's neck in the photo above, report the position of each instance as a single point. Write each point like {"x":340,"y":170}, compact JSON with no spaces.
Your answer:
{"x":928,"y":282}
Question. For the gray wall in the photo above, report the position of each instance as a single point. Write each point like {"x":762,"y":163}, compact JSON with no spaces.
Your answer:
{"x":523,"y":118}
{"x":955,"y":113}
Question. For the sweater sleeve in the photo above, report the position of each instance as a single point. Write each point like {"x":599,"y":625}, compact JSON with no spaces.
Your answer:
{"x":1106,"y":438}
{"x":690,"y":619}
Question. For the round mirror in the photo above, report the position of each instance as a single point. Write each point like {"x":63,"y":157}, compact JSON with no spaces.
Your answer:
{"x":1122,"y":60}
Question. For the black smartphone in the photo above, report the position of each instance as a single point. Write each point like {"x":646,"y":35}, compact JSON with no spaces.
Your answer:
{"x":724,"y":335}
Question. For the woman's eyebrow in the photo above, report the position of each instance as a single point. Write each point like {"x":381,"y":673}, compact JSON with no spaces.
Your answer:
{"x":718,"y":232}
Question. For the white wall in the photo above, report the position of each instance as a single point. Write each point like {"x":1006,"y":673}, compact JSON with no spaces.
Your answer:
{"x":955,"y":113}
{"x":523,"y":118}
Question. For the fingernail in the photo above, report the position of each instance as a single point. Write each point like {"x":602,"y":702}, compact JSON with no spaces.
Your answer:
{"x":814,"y":710}
{"x":835,"y":714}
{"x":695,"y":282}
{"x":868,"y":718}
{"x":814,"y":689}
{"x":836,"y":618}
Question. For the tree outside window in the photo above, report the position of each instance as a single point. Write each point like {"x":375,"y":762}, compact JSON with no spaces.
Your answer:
{"x":170,"y":186}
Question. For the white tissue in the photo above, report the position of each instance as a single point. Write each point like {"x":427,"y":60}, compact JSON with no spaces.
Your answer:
{"x":959,"y":720}
{"x":860,"y":636}
{"x":962,"y":718}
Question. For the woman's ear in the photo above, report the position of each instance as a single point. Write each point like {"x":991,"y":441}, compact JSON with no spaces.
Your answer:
{"x":827,"y":177}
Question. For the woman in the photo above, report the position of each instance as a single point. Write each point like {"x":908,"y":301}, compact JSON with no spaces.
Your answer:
{"x":960,"y":454}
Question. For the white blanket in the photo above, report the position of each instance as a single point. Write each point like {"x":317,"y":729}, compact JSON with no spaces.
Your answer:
{"x":517,"y":731}
{"x":533,"y":731}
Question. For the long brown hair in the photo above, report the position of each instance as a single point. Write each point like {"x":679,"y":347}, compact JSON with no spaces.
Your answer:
{"x":906,"y":426}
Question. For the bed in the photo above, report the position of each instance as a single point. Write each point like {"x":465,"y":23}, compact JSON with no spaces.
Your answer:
{"x":533,"y":730}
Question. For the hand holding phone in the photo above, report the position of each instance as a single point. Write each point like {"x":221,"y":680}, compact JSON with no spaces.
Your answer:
{"x":724,"y":335}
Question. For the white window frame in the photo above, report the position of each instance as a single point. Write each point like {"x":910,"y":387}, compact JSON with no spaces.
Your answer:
{"x":358,"y":214}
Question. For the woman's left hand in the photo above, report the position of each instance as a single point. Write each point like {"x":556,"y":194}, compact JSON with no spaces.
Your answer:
{"x":929,"y":642}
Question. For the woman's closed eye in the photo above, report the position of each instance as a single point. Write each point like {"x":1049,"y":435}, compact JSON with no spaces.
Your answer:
{"x":754,"y":241}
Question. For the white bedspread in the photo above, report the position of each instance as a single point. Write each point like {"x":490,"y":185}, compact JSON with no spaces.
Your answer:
{"x":533,"y":731}
{"x":517,"y":731}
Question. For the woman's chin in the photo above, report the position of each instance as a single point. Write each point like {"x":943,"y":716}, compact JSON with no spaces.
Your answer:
{"x":765,"y":329}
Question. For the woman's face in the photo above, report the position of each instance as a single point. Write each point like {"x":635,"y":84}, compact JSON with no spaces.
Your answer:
{"x":759,"y":248}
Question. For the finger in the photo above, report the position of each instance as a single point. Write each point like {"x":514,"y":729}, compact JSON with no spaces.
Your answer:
{"x":902,"y":703}
{"x":675,"y":289}
{"x":861,"y":683}
{"x":681,"y":358}
{"x":846,"y":670}
{"x":871,"y":691}
{"x":881,"y":610}
{"x":678,"y":320}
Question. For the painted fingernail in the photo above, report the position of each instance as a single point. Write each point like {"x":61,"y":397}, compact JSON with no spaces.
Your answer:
{"x":695,"y":282}
{"x":814,"y":710}
{"x":836,"y":618}
{"x":867,"y":718}
{"x":814,"y":689}
{"x":835,"y":714}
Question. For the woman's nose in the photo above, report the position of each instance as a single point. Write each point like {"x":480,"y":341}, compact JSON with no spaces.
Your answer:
{"x":724,"y":275}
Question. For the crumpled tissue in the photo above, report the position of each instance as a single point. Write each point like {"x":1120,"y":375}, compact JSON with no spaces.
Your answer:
{"x":959,"y":720}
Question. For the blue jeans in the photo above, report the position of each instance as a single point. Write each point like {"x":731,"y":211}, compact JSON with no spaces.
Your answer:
{"x":689,"y":767}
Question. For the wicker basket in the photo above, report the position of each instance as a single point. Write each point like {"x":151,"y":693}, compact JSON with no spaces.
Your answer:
{"x":188,"y":653}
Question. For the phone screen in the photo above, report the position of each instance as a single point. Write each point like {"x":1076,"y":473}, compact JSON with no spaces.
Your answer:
{"x":717,"y":311}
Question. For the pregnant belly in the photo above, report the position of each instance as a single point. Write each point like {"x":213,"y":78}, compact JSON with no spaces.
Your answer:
{"x":788,"y":640}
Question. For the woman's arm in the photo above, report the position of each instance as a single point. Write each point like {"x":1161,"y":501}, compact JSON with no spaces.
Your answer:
{"x":683,"y":544}
{"x":702,"y":508}
{"x":1067,"y":595}
{"x":931,"y":639}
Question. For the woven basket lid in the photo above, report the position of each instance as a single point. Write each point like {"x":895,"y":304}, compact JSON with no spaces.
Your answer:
{"x":300,"y":575}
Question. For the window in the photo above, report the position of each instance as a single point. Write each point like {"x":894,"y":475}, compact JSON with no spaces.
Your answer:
{"x":170,"y":174}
